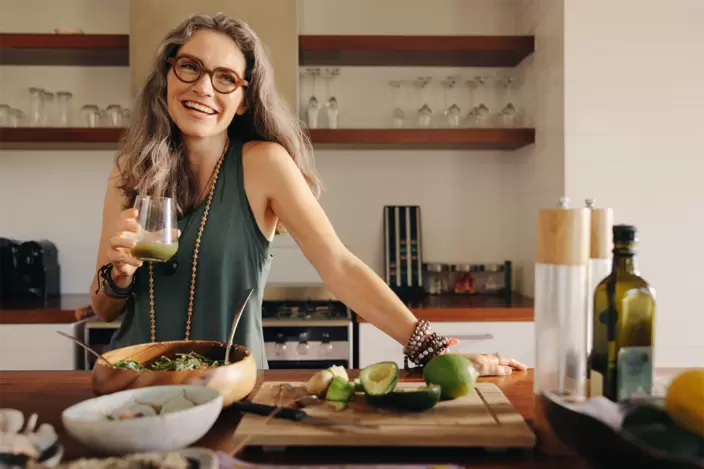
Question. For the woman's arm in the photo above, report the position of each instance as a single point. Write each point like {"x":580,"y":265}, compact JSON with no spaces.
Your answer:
{"x":349,"y":279}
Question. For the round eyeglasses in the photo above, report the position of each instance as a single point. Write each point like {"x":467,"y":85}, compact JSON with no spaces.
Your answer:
{"x":189,"y":70}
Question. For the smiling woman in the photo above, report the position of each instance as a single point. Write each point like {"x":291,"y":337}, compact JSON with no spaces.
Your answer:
{"x":212,"y":133}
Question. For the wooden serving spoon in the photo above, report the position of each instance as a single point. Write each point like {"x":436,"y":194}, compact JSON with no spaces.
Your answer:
{"x":87,"y":348}
{"x":235,"y":321}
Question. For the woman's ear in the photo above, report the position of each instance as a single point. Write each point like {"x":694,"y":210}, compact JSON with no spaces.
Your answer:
{"x":242,"y":109}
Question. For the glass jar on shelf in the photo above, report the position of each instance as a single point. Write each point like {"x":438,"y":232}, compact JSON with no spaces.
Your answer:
{"x":490,"y":279}
{"x":90,"y":115}
{"x":462,"y":280}
{"x":436,"y":279}
{"x":63,"y":103}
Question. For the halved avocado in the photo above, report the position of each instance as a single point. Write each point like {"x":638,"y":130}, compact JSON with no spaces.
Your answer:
{"x":408,"y":399}
{"x":379,"y":379}
{"x":339,"y":390}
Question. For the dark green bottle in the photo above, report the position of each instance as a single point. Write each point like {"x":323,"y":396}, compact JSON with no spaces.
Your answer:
{"x":621,"y":359}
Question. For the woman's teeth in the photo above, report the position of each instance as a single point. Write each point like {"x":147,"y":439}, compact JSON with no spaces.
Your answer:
{"x":199,"y":107}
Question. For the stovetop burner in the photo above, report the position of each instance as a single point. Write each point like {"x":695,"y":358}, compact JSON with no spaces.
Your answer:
{"x":306,"y":310}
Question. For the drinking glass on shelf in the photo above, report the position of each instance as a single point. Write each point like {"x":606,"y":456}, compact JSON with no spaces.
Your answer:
{"x":36,"y":106}
{"x":508,"y":113}
{"x":481,"y":115}
{"x":157,"y":238}
{"x":114,"y":115}
{"x":63,"y":103}
{"x":90,"y":115}
{"x":17,"y":118}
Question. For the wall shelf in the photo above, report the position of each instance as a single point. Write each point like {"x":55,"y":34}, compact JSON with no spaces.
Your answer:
{"x":25,"y":138}
{"x":341,"y":50}
{"x":442,"y":51}
{"x":64,"y":49}
{"x":461,"y":138}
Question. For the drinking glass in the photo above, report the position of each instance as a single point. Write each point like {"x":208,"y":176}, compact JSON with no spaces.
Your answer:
{"x":157,"y":238}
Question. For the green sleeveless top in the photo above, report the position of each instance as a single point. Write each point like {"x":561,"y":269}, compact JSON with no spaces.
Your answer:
{"x":233,"y":257}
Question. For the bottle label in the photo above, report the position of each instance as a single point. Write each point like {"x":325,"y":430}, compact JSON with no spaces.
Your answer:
{"x":596,"y":383}
{"x":634,"y":372}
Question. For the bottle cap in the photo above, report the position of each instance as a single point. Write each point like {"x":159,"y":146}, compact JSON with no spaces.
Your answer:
{"x":624,"y":233}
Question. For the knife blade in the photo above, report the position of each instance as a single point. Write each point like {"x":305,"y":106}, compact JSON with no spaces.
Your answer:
{"x":297,"y":415}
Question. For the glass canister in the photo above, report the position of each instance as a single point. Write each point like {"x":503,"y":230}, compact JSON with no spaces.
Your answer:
{"x":49,"y":116}
{"x":114,"y":115}
{"x":489,"y":278}
{"x":90,"y":115}
{"x":436,"y":279}
{"x":36,"y":106}
{"x":4,"y":115}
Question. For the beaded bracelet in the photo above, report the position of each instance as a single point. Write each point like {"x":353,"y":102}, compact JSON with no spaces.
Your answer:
{"x":423,"y":345}
{"x":109,"y":287}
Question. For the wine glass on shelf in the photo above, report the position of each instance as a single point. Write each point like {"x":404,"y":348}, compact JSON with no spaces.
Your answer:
{"x":157,"y":236}
{"x":313,"y":107}
{"x":508,"y":113}
{"x":398,"y":116}
{"x":331,"y":108}
{"x":425,"y":114}
{"x":453,"y":113}
{"x":482,"y":113}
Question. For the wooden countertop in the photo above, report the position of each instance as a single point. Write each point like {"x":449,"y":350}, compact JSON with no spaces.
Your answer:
{"x":60,"y":310}
{"x":472,"y":308}
{"x":479,"y":308}
{"x":48,"y":393}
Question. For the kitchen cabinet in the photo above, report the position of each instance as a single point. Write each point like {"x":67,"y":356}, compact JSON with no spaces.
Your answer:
{"x":276,"y":25}
{"x":39,"y":347}
{"x":514,"y":339}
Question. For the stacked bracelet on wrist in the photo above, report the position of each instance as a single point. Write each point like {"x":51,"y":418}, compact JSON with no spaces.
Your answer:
{"x":108,"y":284}
{"x":423,"y":345}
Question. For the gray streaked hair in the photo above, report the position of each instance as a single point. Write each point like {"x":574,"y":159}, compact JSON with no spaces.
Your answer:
{"x":151,"y":159}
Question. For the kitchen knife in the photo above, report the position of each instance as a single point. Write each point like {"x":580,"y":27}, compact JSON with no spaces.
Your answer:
{"x":297,"y":415}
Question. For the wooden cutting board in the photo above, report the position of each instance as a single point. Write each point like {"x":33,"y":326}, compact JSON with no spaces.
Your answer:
{"x":484,"y":418}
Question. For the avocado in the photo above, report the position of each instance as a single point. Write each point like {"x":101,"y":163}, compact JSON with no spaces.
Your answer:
{"x":669,"y":438}
{"x":408,"y":399}
{"x":339,"y":390}
{"x":646,"y":414}
{"x":379,"y":378}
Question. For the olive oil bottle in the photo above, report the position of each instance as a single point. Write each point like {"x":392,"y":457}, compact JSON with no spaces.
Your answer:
{"x":621,"y":359}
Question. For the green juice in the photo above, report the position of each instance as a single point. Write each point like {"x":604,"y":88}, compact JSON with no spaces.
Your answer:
{"x":156,"y":252}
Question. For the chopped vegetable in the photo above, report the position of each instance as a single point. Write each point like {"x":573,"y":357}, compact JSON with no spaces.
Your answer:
{"x":319,"y":382}
{"x":183,"y":362}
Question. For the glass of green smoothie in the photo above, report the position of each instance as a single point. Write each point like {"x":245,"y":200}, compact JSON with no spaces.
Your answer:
{"x":157,"y":239}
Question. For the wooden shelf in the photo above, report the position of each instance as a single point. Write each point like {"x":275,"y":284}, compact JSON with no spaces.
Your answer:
{"x":38,"y":138}
{"x":443,"y":51}
{"x":463,"y":138}
{"x":59,"y":138}
{"x":64,"y":49}
{"x":471,"y":308}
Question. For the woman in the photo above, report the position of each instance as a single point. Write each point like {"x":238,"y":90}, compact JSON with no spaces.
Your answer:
{"x":211,"y":132}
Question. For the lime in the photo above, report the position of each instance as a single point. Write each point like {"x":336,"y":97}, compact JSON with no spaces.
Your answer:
{"x":454,"y":374}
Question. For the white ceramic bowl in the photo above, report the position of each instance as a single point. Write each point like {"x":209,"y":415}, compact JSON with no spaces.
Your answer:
{"x":88,"y":421}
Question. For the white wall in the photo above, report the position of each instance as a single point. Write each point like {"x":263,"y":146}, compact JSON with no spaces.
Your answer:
{"x":539,"y":169}
{"x":634,"y":103}
{"x":466,"y":197}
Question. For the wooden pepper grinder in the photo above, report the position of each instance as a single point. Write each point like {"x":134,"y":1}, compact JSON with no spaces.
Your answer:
{"x":561,"y":273}
{"x":600,"y":259}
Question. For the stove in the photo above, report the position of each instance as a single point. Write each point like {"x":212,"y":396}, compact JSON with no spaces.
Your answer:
{"x":305,"y":328}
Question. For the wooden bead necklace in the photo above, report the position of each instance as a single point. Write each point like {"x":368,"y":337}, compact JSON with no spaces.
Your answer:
{"x":192,"y":293}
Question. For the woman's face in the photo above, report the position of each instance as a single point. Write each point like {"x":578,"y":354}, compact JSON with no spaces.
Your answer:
{"x":199,"y":109}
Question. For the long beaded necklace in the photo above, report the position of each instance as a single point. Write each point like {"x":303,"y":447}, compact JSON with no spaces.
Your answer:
{"x":192,"y":293}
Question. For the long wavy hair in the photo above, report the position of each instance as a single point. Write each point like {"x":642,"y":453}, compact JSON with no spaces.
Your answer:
{"x":151,"y":158}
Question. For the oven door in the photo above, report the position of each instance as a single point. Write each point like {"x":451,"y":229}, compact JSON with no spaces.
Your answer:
{"x":306,"y":364}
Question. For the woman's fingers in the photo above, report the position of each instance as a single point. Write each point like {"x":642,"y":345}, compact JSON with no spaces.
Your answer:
{"x":118,"y":256}
{"x":122,"y":242}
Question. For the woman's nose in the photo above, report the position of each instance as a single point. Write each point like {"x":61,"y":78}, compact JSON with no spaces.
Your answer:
{"x":204,"y":86}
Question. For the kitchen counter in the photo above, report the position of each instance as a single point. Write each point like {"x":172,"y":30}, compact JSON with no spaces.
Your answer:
{"x":472,"y":308}
{"x":60,"y":310}
{"x":48,"y":393}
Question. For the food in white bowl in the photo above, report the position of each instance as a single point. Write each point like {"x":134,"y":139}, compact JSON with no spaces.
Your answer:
{"x":22,"y":444}
{"x":151,"y":419}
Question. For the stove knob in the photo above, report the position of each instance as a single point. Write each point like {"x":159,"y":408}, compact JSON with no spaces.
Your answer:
{"x":302,"y":348}
{"x":325,"y":345}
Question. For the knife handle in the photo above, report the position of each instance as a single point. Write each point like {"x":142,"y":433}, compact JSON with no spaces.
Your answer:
{"x":264,"y":409}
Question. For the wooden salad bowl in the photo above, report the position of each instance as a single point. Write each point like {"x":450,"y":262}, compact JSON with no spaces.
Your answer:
{"x":234,"y":381}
